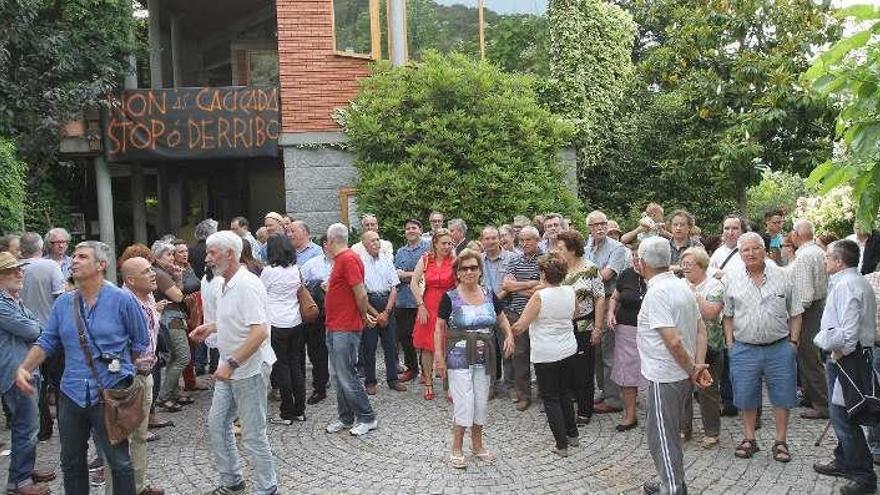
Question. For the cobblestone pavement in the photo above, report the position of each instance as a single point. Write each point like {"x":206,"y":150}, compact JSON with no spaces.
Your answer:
{"x":409,"y":450}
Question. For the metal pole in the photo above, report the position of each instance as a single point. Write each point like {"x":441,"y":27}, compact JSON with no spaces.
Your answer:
{"x":397,"y":31}
{"x":105,"y":212}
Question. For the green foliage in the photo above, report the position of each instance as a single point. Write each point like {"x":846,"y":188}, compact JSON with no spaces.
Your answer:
{"x":520,"y":43}
{"x":457,"y":135}
{"x":12,"y":187}
{"x":590,"y":45}
{"x":848,"y":74}
{"x":776,"y":190}
{"x":833,"y":211}
{"x":718,"y":100}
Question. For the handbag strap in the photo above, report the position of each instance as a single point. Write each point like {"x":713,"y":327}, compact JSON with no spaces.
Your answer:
{"x":83,"y":342}
{"x":735,"y":250}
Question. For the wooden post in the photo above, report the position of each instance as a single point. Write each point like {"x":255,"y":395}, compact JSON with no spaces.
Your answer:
{"x":375,"y":31}
{"x":482,"y":34}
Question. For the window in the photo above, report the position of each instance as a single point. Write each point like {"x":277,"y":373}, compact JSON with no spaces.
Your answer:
{"x":263,"y":68}
{"x":356,"y":28}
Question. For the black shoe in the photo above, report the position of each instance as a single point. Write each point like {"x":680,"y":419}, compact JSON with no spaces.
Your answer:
{"x":582,"y":420}
{"x":621,"y":428}
{"x":44,"y":436}
{"x":316,"y":397}
{"x":651,"y":487}
{"x":729,"y":411}
{"x":829,"y":469}
{"x":855,"y":488}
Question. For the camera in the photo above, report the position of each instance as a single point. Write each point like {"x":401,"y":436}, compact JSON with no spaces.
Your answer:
{"x":114,"y":363}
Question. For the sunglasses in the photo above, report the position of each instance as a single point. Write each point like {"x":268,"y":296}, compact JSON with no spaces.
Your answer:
{"x":469,"y":268}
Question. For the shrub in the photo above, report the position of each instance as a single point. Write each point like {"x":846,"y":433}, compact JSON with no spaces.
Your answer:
{"x":456,"y":135}
{"x":13,"y":173}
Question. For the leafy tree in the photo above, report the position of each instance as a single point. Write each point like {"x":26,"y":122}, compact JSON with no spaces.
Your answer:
{"x":520,"y":43}
{"x":458,"y":135}
{"x":56,"y":58}
{"x":849,"y":75}
{"x":721,"y":78}
{"x":12,"y":187}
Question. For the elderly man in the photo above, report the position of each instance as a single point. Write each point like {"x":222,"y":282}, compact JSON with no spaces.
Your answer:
{"x":43,"y":282}
{"x":316,"y":273}
{"x":300,"y":237}
{"x":436,"y":220}
{"x":848,"y":326}
{"x":241,"y":227}
{"x":726,"y":257}
{"x":381,"y":281}
{"x":242,"y":375}
{"x":369,"y":223}
{"x":811,"y":280}
{"x":521,"y":279}
{"x":406,"y":308}
{"x":672,"y":350}
{"x":762,"y":329}
{"x":458,"y":233}
{"x":197,"y":251}
{"x":495,"y":262}
{"x":139,"y":278}
{"x":57,"y":242}
{"x":347,"y":310}
{"x":610,"y":256}
{"x":19,"y":328}
{"x":552,"y":227}
{"x":115,"y":334}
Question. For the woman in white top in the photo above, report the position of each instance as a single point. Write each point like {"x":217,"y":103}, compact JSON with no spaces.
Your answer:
{"x":282,"y":280}
{"x":548,"y":317}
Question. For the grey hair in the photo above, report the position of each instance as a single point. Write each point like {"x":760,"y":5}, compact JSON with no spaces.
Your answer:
{"x":101,"y":250}
{"x":31,"y":244}
{"x":226,"y":240}
{"x":805,"y":227}
{"x":302,"y":225}
{"x":490,"y":227}
{"x":160,"y":247}
{"x":368,"y":215}
{"x":457,"y":223}
{"x":57,"y":230}
{"x":749,"y":236}
{"x":337,"y":233}
{"x":655,"y":252}
{"x":205,"y":228}
{"x":530,"y":230}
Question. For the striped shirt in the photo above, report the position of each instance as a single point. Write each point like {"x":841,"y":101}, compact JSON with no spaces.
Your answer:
{"x":760,"y":313}
{"x":809,"y":273}
{"x":523,"y":268}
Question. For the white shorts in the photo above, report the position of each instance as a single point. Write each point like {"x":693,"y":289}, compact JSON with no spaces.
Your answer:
{"x":470,"y":395}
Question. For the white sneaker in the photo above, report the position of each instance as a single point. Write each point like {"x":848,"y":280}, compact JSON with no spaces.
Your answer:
{"x":364,"y":428}
{"x":336,"y":426}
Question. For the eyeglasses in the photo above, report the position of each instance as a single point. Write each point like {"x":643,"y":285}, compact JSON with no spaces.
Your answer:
{"x":57,"y":242}
{"x":469,"y":268}
{"x":598,"y":224}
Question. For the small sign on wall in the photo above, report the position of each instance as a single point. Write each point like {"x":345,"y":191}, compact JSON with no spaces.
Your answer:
{"x":348,"y":213}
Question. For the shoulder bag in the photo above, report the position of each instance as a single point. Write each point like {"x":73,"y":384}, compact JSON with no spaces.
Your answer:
{"x":123,"y":409}
{"x":308,"y":309}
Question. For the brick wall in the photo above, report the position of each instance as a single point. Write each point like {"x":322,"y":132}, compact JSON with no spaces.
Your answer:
{"x":314,"y":79}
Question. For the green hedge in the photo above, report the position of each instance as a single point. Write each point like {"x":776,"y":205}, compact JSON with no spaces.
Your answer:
{"x":13,"y":174}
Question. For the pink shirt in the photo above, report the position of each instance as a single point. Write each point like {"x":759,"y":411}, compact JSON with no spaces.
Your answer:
{"x":147,"y":359}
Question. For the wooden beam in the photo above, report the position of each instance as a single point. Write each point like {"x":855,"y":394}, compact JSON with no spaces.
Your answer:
{"x":375,"y":31}
{"x":482,"y":34}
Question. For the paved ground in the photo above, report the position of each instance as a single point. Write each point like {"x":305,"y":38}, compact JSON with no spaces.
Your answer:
{"x":408,"y":454}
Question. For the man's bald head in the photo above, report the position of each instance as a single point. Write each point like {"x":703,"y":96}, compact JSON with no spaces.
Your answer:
{"x":138,"y":275}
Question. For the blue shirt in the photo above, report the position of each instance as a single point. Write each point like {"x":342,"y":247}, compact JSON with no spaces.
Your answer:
{"x":495,"y":270}
{"x":406,"y":259}
{"x":305,"y":254}
{"x":317,"y":268}
{"x":19,"y":329}
{"x":608,"y":254}
{"x":115,"y":325}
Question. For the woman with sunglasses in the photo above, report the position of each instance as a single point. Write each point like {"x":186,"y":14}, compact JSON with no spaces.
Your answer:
{"x":466,"y":319}
{"x":433,"y":276}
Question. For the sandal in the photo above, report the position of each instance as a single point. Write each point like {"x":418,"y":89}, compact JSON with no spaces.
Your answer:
{"x":429,"y":393}
{"x":486,"y":456}
{"x":184,"y":400}
{"x":781,"y":452}
{"x":457,"y":461}
{"x":746,"y":449}
{"x":161,"y":424}
{"x":170,"y":406}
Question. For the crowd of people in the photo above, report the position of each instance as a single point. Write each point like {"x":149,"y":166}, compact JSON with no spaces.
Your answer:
{"x":597,"y":313}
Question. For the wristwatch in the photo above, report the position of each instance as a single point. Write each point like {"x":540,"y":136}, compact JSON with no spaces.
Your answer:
{"x":232,"y":363}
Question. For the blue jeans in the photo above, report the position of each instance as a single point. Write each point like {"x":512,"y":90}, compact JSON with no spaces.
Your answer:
{"x":75,"y":425}
{"x":352,"y":402}
{"x":852,"y":453}
{"x":244,"y":399}
{"x":25,"y":423}
{"x":369,"y":341}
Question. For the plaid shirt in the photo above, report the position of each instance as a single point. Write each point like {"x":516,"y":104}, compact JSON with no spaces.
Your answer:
{"x":809,"y":275}
{"x":761,"y":313}
{"x":874,"y":280}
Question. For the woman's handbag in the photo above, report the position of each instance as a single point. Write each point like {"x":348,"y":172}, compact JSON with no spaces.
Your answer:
{"x":123,"y":408}
{"x":308,"y":309}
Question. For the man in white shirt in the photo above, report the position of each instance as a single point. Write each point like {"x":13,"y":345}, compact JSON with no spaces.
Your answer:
{"x":726,"y":257}
{"x":370,"y":223}
{"x":672,"y":348}
{"x":242,"y":375}
{"x":380,"y":278}
{"x":848,"y":326}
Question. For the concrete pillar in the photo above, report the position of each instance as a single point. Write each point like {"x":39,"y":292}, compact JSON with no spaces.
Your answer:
{"x":138,"y":203}
{"x":397,"y":31}
{"x":105,"y":212}
{"x":175,"y":202}
{"x":155,"y":35}
{"x":176,"y":54}
{"x":162,"y":221}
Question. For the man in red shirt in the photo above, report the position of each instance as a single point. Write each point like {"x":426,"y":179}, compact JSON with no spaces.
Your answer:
{"x":346,"y":310}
